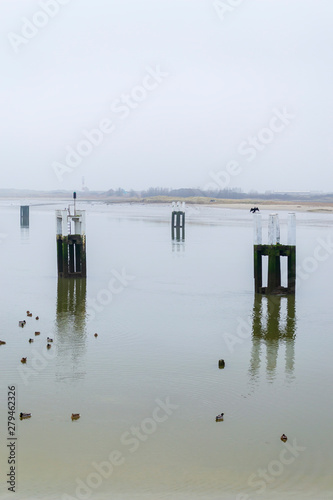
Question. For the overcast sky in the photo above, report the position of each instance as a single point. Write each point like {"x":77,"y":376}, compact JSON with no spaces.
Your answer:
{"x":172,"y":93}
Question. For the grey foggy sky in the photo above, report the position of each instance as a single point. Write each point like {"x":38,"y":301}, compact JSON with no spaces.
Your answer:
{"x":224,"y":80}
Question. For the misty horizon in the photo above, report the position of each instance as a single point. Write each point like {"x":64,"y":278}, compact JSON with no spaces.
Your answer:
{"x":224,"y":94}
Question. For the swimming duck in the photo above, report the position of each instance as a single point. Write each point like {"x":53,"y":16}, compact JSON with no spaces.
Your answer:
{"x":29,"y":314}
{"x":221,"y":363}
{"x":23,"y":360}
{"x":2,"y":342}
{"x":37,"y":333}
{"x":37,"y":317}
{"x":48,"y":346}
{"x":75,"y":416}
{"x":95,"y":334}
{"x":22,"y":323}
{"x":284,"y":438}
{"x":31,"y":340}
{"x":25,"y":415}
{"x":49,"y":340}
{"x":219,"y":417}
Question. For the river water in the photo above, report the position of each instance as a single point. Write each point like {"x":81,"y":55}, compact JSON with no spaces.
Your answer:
{"x":148,"y":387}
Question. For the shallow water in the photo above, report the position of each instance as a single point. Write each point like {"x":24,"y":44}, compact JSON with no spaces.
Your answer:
{"x":148,"y":387}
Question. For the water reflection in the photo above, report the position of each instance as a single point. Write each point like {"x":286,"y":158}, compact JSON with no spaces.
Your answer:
{"x":24,"y":234}
{"x":178,"y":246}
{"x":274,"y":323}
{"x":71,"y":326}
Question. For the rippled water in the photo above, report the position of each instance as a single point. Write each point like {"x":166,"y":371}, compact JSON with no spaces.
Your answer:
{"x":148,"y":387}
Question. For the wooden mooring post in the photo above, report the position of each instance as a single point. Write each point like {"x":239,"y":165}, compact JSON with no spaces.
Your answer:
{"x":274,"y":250}
{"x":71,"y":243}
{"x":178,"y":221}
{"x":24,"y":215}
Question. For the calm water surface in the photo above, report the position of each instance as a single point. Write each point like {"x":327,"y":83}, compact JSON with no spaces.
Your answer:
{"x":148,"y":387}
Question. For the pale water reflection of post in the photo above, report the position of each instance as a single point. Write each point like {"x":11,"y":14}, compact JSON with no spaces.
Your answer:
{"x":25,"y":235}
{"x":71,"y":326}
{"x":272,"y":327}
{"x":178,"y":246}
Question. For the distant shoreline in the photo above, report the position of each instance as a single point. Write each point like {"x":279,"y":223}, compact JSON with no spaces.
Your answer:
{"x":290,"y":205}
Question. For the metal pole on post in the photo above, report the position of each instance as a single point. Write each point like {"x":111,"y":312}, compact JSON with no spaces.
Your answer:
{"x":74,"y":197}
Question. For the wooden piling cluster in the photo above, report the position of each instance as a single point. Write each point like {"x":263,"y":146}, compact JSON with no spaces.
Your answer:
{"x":24,"y":215}
{"x":178,"y":221}
{"x":274,"y":250}
{"x":71,"y":244}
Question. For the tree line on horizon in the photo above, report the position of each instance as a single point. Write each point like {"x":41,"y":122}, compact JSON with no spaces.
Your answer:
{"x":228,"y":193}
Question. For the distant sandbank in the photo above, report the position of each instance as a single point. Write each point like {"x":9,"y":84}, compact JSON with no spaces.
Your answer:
{"x":292,"y":206}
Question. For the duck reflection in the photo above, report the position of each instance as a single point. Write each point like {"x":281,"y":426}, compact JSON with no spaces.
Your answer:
{"x":273,"y":324}
{"x":71,"y":326}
